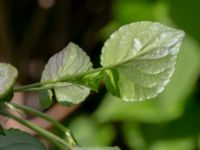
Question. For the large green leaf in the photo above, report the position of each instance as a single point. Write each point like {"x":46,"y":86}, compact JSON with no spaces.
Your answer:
{"x":8,"y":75}
{"x":72,"y":60}
{"x":18,"y":140}
{"x":168,"y":105}
{"x":140,"y":58}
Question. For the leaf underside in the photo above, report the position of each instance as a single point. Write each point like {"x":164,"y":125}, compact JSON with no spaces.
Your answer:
{"x":142,"y":57}
{"x":17,"y":140}
{"x":8,"y":75}
{"x":70,"y":61}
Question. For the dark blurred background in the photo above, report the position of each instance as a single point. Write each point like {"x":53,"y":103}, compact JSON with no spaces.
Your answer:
{"x":31,"y":31}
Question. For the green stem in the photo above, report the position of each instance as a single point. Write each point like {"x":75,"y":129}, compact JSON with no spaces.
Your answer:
{"x":44,"y":85}
{"x":23,"y":88}
{"x":47,"y":84}
{"x":48,"y":135}
{"x":55,"y":123}
{"x":33,"y":87}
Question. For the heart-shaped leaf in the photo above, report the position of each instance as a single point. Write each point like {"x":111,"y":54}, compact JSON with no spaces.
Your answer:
{"x":8,"y":75}
{"x":140,"y":58}
{"x":72,"y":60}
{"x":18,"y":140}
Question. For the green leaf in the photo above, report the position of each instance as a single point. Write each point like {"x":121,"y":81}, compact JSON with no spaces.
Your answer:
{"x":18,"y":140}
{"x":8,"y":96}
{"x":45,"y":98}
{"x":2,"y":131}
{"x":96,"y":148}
{"x":140,"y":58}
{"x":89,"y":133}
{"x":69,"y":62}
{"x":67,"y":93}
{"x":168,"y":105}
{"x":8,"y":75}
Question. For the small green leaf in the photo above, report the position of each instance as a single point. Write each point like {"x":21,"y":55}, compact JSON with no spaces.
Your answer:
{"x":69,"y":62}
{"x":8,"y":75}
{"x":18,"y":140}
{"x":141,"y":57}
{"x":96,"y":148}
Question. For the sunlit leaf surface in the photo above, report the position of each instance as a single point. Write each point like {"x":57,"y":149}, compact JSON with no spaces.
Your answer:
{"x":72,"y":60}
{"x":142,"y":57}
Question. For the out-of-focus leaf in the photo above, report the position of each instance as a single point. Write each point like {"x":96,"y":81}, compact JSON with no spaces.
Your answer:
{"x":174,"y":144}
{"x":2,"y":131}
{"x":72,"y":60}
{"x":198,"y":142}
{"x":8,"y":96}
{"x":45,"y":98}
{"x":188,"y":21}
{"x":114,"y":109}
{"x":141,"y":57}
{"x":185,"y":126}
{"x":18,"y":140}
{"x":126,"y":11}
{"x":87,"y":132}
{"x":133,"y":136}
{"x":96,"y":148}
{"x":173,"y":100}
{"x":8,"y":75}
{"x":149,"y":136}
{"x":170,"y":104}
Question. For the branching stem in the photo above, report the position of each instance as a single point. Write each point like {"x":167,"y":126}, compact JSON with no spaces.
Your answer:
{"x":55,"y":123}
{"x":48,"y":135}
